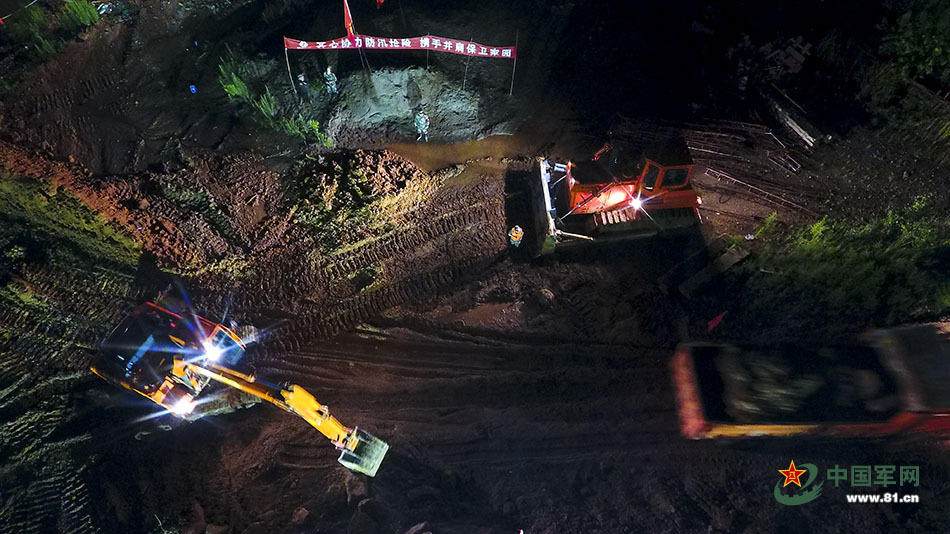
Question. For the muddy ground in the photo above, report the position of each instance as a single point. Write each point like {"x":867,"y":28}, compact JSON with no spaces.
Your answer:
{"x":515,"y":393}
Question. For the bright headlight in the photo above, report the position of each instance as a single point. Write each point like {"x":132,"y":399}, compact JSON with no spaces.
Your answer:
{"x":636,"y":203}
{"x":213,"y":352}
{"x":183,"y":407}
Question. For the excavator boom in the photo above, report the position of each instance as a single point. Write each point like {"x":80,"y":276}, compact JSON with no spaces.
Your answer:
{"x":360,"y":451}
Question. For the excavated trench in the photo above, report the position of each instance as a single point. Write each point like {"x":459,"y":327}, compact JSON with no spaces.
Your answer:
{"x":515,"y":394}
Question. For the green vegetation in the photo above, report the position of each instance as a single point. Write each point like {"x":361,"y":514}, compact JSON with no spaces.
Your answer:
{"x":42,"y":34}
{"x":76,"y":15}
{"x":267,"y":105}
{"x":198,"y":201}
{"x":232,"y":266}
{"x":232,"y":83}
{"x":768,"y":227}
{"x":335,"y":203}
{"x":902,"y":83}
{"x":22,"y":296}
{"x":32,"y":29}
{"x":884,"y":272}
{"x":44,"y":49}
{"x":920,"y":41}
{"x":45,"y":36}
{"x":28,"y":23}
{"x":62,"y":215}
{"x":231,"y":77}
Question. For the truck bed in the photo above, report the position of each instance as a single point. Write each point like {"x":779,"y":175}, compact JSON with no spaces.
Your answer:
{"x":732,"y":390}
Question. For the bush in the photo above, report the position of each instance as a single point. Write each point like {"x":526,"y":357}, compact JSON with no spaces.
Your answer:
{"x":76,"y":15}
{"x":232,"y":84}
{"x":44,"y":49}
{"x":290,"y":126}
{"x":28,"y":24}
{"x":921,"y":41}
{"x":840,"y":273}
{"x":313,"y":129}
{"x":267,"y":105}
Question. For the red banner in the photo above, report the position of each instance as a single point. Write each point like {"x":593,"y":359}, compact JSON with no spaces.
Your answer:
{"x":426,"y":42}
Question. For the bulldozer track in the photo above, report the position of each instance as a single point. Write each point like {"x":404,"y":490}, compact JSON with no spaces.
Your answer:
{"x":396,"y":243}
{"x":295,"y":284}
{"x":465,"y":238}
{"x":347,"y":314}
{"x":75,"y":94}
{"x":56,"y":502}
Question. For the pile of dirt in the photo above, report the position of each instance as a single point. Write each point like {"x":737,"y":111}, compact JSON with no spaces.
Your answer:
{"x":387,"y":171}
{"x":800,"y":385}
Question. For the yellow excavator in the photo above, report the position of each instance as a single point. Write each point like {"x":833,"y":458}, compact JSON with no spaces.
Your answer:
{"x":170,"y":359}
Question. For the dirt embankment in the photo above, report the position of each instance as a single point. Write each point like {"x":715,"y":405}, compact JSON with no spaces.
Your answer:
{"x":515,"y":395}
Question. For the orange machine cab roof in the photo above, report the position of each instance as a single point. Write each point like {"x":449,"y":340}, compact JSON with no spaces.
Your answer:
{"x":668,"y":183}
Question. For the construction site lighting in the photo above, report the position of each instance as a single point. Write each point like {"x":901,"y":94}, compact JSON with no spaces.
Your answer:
{"x":213,"y":352}
{"x":183,"y":407}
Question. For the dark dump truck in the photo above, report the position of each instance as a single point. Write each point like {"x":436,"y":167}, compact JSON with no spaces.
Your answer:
{"x":893,"y":381}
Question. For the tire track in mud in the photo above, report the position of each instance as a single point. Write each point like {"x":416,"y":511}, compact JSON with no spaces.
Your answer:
{"x":413,"y":264}
{"x":447,"y":390}
{"x":61,"y":495}
{"x":77,"y":94}
{"x":348,"y":313}
{"x":296,"y":455}
{"x":46,"y":349}
{"x":395,"y":243}
{"x":330,"y":276}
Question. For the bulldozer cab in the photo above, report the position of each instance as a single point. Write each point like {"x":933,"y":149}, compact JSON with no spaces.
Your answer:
{"x":656,"y":177}
{"x":664,"y":165}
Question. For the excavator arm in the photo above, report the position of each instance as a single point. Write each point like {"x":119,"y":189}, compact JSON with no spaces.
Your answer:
{"x":360,"y":451}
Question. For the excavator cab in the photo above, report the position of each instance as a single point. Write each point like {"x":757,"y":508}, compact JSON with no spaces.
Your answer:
{"x":149,"y":350}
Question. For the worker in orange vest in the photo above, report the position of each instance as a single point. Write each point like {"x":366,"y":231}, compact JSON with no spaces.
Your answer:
{"x":515,"y":235}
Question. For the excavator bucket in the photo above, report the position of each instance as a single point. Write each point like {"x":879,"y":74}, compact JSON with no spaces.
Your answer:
{"x":367,"y":456}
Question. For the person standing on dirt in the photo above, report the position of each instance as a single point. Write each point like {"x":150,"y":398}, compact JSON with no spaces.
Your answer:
{"x":515,"y":236}
{"x":330,"y":79}
{"x":303,"y":84}
{"x":421,"y":121}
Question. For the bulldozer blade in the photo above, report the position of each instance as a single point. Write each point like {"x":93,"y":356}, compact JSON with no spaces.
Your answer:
{"x":367,"y":456}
